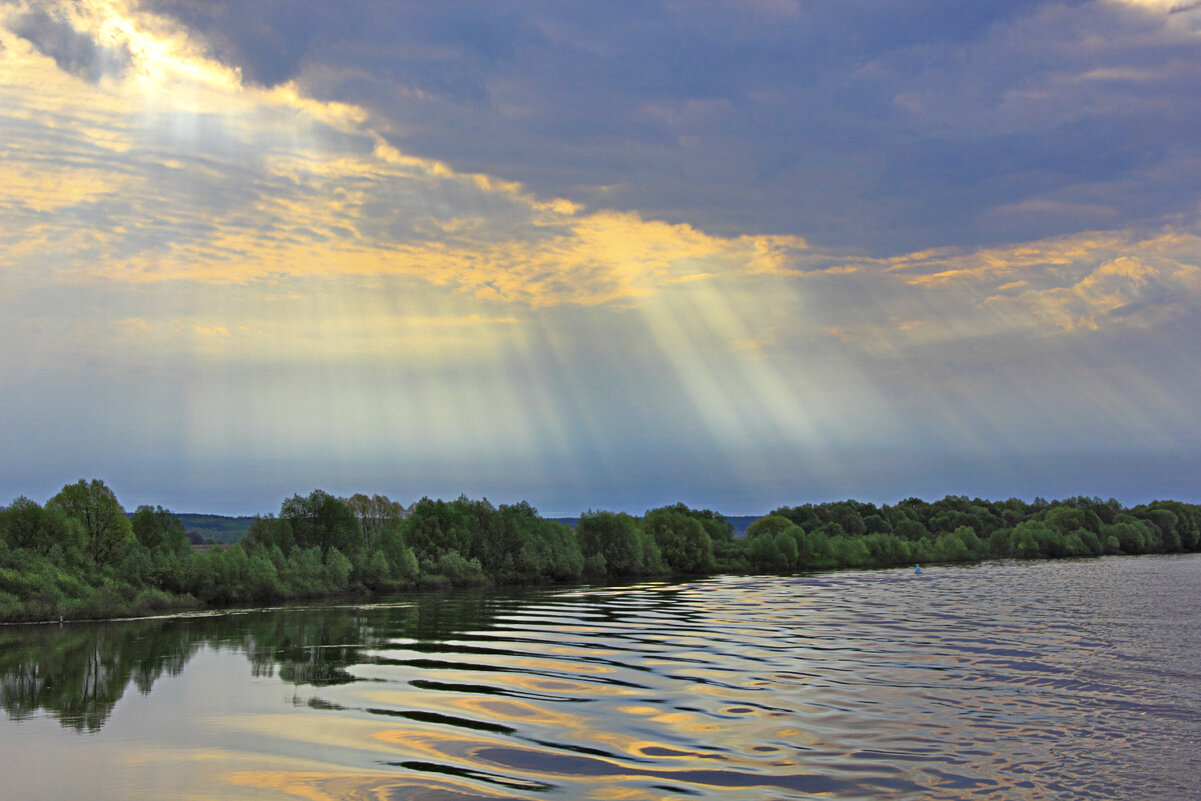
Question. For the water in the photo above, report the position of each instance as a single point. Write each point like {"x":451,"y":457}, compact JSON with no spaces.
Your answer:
{"x":1042,"y":680}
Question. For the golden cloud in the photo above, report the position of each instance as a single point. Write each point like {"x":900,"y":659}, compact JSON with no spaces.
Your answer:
{"x":1116,"y":290}
{"x":177,"y":171}
{"x":1080,"y":283}
{"x":195,"y":176}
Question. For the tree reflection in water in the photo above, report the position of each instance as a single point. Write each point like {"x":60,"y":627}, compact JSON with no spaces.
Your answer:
{"x":79,"y":671}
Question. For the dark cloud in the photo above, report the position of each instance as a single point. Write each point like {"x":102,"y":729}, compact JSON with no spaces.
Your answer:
{"x":73,"y":51}
{"x":884,"y":127}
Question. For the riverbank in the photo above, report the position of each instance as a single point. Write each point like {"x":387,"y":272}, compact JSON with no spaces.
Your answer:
{"x":81,"y":557}
{"x":104,"y":606}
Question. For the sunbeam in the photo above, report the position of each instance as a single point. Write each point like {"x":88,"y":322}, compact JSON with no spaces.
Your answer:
{"x":276,"y":268}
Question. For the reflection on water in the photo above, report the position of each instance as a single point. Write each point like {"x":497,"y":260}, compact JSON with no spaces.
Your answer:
{"x":1002,"y":681}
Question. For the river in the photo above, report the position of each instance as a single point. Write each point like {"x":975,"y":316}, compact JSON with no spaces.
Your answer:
{"x":1006,"y":680}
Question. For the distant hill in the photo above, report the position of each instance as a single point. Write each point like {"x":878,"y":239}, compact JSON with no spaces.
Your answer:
{"x":740,"y":523}
{"x":217,"y":528}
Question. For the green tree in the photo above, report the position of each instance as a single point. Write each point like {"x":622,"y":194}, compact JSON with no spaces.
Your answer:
{"x":719,"y":529}
{"x":24,"y":524}
{"x":770,"y":525}
{"x":106,"y":527}
{"x":21,"y":524}
{"x":434,"y":527}
{"x":682,"y":540}
{"x":401,"y":561}
{"x":877,"y":524}
{"x":323,"y":521}
{"x":1064,"y":519}
{"x":850,"y":551}
{"x":999,"y":542}
{"x":262,"y":581}
{"x":270,"y":531}
{"x":814,"y":550}
{"x":136,"y":567}
{"x":832,"y":530}
{"x":1033,"y":539}
{"x":845,"y":515}
{"x":887,"y":549}
{"x":614,"y":536}
{"x":1186,"y":536}
{"x":776,"y":551}
{"x":910,"y":529}
{"x":804,"y":516}
{"x":563,"y":558}
{"x":377,"y":573}
{"x":374,"y":513}
{"x":1165,"y":521}
{"x":957,"y":545}
{"x":157,"y":528}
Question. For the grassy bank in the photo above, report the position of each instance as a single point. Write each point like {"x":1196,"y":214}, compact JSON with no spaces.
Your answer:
{"x":80,"y":555}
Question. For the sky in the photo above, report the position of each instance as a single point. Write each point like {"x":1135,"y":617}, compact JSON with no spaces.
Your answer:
{"x":600,"y":255}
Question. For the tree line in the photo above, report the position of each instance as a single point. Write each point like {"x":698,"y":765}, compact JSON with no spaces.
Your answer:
{"x":80,"y":555}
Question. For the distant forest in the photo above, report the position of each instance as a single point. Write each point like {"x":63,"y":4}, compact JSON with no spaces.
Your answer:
{"x":82,"y":556}
{"x":213,"y":529}
{"x":222,"y":529}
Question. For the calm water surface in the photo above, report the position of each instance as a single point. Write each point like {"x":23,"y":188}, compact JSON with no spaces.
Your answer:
{"x":1000,"y":681}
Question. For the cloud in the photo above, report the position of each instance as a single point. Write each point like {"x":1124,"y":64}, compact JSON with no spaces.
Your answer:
{"x":850,"y":125}
{"x":1125,"y":290}
{"x":74,"y":51}
{"x":182,"y":172}
{"x":1160,"y":6}
{"x":1025,"y":294}
{"x":596,"y":246}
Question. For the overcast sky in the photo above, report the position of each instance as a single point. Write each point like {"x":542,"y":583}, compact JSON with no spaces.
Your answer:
{"x":600,"y":255}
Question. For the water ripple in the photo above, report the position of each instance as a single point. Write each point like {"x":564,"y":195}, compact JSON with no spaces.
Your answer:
{"x":1003,"y":681}
{"x":1000,"y":682}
